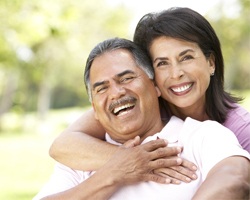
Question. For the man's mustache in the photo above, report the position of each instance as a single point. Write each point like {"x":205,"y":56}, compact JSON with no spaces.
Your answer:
{"x":121,"y":101}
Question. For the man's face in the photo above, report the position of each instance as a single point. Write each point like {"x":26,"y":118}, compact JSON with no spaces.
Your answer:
{"x":125,"y":100}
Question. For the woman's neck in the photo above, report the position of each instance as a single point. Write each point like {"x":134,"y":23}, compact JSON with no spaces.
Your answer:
{"x":197,"y":113}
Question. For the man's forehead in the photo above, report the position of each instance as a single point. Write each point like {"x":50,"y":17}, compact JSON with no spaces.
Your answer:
{"x":116,"y":55}
{"x":113,"y":63}
{"x":116,"y":75}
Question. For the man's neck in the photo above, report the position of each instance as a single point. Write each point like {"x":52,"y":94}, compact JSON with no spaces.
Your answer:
{"x":155,"y":128}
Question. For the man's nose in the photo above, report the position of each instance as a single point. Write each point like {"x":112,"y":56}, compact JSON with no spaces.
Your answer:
{"x":116,"y":91}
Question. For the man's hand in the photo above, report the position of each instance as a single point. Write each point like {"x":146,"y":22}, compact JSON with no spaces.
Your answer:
{"x":133,"y":163}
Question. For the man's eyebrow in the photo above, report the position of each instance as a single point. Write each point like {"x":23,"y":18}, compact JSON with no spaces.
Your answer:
{"x":124,"y":73}
{"x":95,"y":85}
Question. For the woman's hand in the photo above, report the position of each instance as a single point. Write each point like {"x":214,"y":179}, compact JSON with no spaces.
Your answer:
{"x":184,"y":172}
{"x":152,"y":161}
{"x":133,"y":163}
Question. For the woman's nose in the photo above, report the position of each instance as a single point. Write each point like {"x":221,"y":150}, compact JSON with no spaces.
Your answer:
{"x":176,"y":72}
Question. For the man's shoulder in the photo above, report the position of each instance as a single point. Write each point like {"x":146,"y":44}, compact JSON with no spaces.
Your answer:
{"x":205,"y":129}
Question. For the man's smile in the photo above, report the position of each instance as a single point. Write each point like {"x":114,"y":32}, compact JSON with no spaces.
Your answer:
{"x":122,"y":106}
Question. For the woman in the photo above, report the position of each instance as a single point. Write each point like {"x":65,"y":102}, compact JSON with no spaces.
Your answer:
{"x":178,"y":76}
{"x":213,"y":102}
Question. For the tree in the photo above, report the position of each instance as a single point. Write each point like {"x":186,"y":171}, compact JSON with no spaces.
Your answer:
{"x":234,"y":32}
{"x":44,"y":45}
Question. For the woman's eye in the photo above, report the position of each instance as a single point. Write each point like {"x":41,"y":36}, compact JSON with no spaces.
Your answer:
{"x":187,"y":57}
{"x":161,"y":63}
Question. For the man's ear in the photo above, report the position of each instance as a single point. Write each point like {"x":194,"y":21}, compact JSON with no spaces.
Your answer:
{"x":93,"y":106}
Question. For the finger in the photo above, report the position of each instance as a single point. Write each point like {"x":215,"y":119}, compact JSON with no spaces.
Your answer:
{"x":182,"y":173}
{"x":164,"y":163}
{"x":154,"y":144}
{"x":132,"y":143}
{"x":169,"y":179}
{"x":165,"y":152}
{"x":176,"y":176}
{"x":156,"y":178}
{"x":189,"y":165}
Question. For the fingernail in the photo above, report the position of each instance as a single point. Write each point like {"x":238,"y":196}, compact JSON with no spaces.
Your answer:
{"x":179,"y":149}
{"x":179,"y":160}
{"x":194,"y":167}
{"x":188,"y":179}
{"x":168,"y":180}
{"x":194,"y":176}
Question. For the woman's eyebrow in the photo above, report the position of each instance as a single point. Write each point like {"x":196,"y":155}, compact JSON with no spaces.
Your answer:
{"x":186,"y":51}
{"x":160,"y":58}
{"x":180,"y":54}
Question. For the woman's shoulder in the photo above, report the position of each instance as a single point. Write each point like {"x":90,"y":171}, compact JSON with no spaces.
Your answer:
{"x":239,"y":114}
{"x":238,"y":121}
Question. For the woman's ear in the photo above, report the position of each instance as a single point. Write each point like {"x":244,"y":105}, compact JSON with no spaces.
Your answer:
{"x":211,"y":61}
{"x":158,"y":91}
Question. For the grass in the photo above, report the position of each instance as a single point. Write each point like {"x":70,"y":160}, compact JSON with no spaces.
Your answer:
{"x":25,"y":164}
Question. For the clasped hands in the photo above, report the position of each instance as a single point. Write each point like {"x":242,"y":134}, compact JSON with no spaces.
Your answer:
{"x":152,"y":161}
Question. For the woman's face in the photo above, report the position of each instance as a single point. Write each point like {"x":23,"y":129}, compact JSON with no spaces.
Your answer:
{"x":182,"y":72}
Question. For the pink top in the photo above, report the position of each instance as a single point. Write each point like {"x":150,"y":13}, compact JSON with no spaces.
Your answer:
{"x":238,"y":121}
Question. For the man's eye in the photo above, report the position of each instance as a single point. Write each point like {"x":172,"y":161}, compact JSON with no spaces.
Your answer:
{"x":126,"y":79}
{"x":101,"y":89}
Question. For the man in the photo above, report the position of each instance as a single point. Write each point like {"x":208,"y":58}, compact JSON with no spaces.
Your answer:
{"x":119,"y":80}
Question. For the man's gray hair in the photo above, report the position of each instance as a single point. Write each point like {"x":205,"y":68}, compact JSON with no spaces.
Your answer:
{"x":141,"y":58}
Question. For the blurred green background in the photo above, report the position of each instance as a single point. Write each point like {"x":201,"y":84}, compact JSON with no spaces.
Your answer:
{"x":43,"y":49}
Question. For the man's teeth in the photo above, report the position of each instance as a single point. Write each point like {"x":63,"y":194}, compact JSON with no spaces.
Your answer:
{"x":118,"y":109}
{"x":182,"y":88}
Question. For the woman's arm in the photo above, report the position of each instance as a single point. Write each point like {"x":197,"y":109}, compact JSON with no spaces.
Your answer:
{"x":82,"y":147}
{"x":78,"y":150}
{"x":125,"y":167}
{"x":229,"y":179}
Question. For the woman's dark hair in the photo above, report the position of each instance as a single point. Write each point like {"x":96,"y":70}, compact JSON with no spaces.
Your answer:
{"x":188,"y":25}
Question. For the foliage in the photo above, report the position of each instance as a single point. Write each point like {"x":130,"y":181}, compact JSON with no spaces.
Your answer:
{"x":234,"y":34}
{"x":43,"y":47}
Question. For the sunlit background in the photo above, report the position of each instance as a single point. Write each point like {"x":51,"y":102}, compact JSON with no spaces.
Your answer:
{"x":43,"y":48}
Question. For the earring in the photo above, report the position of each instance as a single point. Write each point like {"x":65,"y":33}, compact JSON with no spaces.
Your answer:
{"x":212,"y":74}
